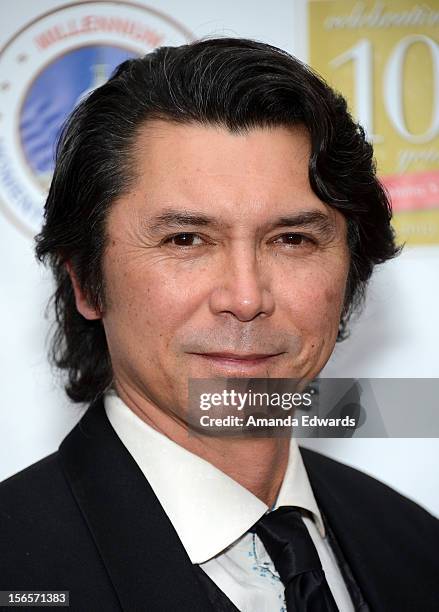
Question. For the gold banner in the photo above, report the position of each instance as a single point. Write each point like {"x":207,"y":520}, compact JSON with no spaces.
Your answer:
{"x":384,"y":57}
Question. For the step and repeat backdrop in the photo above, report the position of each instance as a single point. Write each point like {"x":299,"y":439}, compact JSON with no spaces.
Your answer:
{"x":382,"y":55}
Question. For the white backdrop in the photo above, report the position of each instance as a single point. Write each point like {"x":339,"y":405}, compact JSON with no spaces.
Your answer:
{"x":397,"y":335}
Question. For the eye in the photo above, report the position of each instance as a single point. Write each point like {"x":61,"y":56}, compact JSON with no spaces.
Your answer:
{"x":185,"y":239}
{"x":294,"y":239}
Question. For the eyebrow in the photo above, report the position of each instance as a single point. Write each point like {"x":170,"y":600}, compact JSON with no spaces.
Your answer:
{"x":310,"y":219}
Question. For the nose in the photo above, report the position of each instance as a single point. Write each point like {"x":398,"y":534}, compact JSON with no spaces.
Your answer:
{"x":242,"y":289}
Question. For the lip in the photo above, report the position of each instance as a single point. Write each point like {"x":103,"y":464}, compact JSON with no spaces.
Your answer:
{"x":233,"y":362}
{"x":238,"y":357}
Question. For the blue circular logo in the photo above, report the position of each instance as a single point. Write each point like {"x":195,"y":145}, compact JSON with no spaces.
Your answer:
{"x":46,"y":69}
{"x":54,"y":94}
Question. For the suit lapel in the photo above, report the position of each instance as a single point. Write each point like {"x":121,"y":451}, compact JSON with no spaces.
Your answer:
{"x":140,"y":549}
{"x":363,"y":554}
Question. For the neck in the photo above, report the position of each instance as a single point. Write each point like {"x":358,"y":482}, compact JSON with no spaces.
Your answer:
{"x":258,"y":464}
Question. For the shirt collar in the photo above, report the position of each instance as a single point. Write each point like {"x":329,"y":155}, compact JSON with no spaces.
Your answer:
{"x":208,"y":509}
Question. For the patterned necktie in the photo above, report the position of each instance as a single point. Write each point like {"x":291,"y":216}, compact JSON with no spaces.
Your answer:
{"x":287,"y":541}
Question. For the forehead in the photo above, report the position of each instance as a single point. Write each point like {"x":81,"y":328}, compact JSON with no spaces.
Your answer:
{"x":243,"y":177}
{"x":213,"y":150}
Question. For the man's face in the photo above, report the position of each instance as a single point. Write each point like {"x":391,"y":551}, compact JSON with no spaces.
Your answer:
{"x":221,"y":262}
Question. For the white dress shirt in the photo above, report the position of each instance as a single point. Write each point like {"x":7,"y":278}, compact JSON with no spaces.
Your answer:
{"x":212,"y":514}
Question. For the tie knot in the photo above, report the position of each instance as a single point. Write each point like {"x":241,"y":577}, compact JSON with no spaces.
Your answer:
{"x":287,"y":541}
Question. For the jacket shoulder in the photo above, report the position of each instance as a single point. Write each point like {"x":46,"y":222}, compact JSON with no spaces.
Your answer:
{"x":360,"y":487}
{"x":35,"y":507}
{"x":45,"y":541}
{"x":369,"y":516}
{"x":40,"y":468}
{"x":389,"y":541}
{"x":37,"y":492}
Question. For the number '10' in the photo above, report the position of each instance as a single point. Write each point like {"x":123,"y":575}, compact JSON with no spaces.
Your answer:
{"x":362,"y":55}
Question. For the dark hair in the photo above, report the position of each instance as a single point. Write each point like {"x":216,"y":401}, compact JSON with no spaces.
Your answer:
{"x":235,"y":83}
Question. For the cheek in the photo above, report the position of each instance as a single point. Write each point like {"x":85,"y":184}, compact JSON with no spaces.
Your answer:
{"x":148,"y":305}
{"x":333,"y":299}
{"x":315,"y":303}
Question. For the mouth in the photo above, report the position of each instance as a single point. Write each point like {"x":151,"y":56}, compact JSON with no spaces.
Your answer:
{"x":241,"y":362}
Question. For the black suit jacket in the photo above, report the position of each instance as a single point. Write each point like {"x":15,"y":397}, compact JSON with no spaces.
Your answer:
{"x":84,"y":519}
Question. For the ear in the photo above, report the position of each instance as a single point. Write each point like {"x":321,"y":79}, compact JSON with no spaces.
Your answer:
{"x":82,"y":304}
